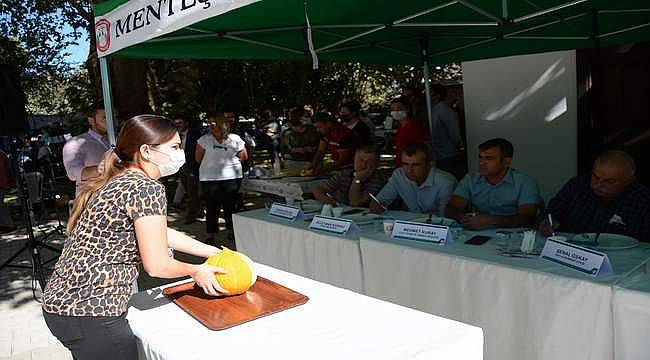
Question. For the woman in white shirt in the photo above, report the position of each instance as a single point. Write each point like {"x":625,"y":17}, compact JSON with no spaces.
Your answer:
{"x":220,"y":154}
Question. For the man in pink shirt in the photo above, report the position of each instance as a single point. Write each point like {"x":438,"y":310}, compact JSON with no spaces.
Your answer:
{"x":83,"y":153}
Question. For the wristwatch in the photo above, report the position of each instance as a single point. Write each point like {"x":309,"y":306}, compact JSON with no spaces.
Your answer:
{"x":355,"y":180}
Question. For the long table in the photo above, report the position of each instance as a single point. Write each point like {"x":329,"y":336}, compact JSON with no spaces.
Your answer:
{"x":290,"y":188}
{"x":286,"y":245}
{"x":529,"y":308}
{"x":333,"y":324}
{"x":289,"y":246}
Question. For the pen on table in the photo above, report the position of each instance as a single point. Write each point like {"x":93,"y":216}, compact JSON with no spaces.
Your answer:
{"x":550,"y":222}
{"x":331,"y":197}
{"x":377,"y":201}
{"x":596,"y":238}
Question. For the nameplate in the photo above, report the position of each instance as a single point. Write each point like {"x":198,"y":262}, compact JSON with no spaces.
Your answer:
{"x":585,"y":260}
{"x":332,"y":225}
{"x":285,"y":211}
{"x":437,"y":234}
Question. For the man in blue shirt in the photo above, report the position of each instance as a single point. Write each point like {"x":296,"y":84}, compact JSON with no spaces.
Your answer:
{"x":422,"y":187}
{"x":446,"y":138}
{"x":496,"y":195}
{"x":609,"y":200}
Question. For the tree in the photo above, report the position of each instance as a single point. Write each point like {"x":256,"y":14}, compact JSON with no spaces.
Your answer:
{"x":37,"y":29}
{"x":44,"y":28}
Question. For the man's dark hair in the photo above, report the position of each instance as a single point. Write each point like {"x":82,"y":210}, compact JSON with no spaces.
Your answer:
{"x":183,"y":116}
{"x":324,"y":116}
{"x":504,"y":145}
{"x":295,"y":116}
{"x":409,"y":88}
{"x":439,"y":89}
{"x":92,"y":110}
{"x":369,"y":149}
{"x":412,"y":148}
{"x":353,"y":106}
{"x":214,"y":114}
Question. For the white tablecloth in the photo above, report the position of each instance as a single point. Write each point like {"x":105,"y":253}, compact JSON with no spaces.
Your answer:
{"x":288,"y":246}
{"x":631,"y":308}
{"x":524,"y":314}
{"x":291,"y":188}
{"x":333,"y":324}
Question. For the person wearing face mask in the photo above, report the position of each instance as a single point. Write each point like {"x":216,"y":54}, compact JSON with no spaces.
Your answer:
{"x":119,"y":221}
{"x":409,"y":131}
{"x":220,"y":154}
{"x":350,"y":115}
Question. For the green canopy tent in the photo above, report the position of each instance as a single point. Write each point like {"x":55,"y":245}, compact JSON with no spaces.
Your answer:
{"x":365,"y":31}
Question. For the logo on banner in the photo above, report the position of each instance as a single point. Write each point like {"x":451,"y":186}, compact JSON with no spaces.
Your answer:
{"x":136,"y":21}
{"x":103,"y":33}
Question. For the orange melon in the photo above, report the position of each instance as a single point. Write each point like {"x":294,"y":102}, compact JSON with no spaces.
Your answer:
{"x":241,"y":271}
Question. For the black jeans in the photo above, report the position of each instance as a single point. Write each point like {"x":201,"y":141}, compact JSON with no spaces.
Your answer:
{"x":218,"y":194}
{"x":190,"y":181}
{"x":94,"y":337}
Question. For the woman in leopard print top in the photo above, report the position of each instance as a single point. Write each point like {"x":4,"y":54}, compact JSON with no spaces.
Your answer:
{"x":119,"y":221}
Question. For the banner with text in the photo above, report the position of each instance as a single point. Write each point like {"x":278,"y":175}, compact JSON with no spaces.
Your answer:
{"x":137,"y":21}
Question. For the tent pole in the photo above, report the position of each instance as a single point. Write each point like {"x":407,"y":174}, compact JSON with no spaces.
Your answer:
{"x":108,"y":99}
{"x":424,"y":43}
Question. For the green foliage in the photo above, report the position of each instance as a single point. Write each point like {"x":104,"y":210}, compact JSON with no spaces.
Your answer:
{"x":248,"y":87}
{"x":33,"y":37}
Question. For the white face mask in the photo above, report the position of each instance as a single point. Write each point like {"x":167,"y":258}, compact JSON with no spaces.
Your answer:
{"x":176,"y":161}
{"x":398,"y":115}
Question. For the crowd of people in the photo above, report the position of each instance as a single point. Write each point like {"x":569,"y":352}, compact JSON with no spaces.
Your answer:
{"x":120,"y":201}
{"x":430,"y":173}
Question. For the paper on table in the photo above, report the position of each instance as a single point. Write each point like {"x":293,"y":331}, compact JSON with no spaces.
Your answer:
{"x":528,"y":242}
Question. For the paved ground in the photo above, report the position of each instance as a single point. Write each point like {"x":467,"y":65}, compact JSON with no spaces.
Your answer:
{"x":23,"y":333}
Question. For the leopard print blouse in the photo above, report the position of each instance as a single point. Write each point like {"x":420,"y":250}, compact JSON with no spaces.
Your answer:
{"x":100,"y":259}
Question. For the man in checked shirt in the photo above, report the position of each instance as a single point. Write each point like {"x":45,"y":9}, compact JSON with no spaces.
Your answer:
{"x":609,"y":200}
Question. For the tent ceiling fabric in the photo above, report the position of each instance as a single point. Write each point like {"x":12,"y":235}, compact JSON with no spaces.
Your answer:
{"x":390,"y":32}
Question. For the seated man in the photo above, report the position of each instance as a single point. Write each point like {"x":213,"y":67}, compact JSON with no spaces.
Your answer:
{"x":607,"y":200}
{"x":496,"y":195}
{"x":352,"y":185}
{"x":337,"y":140}
{"x":422,"y":187}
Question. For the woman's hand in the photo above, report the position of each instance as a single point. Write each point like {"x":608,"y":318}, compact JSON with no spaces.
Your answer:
{"x":205,"y":278}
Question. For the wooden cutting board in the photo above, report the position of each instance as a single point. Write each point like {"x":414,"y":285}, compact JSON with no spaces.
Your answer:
{"x":217,"y":313}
